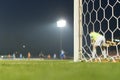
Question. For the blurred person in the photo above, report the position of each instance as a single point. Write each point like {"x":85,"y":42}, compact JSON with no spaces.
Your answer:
{"x":20,"y":55}
{"x":29,"y":55}
{"x":13,"y":55}
{"x":49,"y":57}
{"x":62,"y":54}
{"x":54,"y":56}
{"x":9,"y":56}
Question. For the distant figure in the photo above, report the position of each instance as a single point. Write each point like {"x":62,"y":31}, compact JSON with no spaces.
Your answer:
{"x":13,"y":55}
{"x":62,"y":54}
{"x":9,"y":56}
{"x":49,"y":57}
{"x":97,"y":39}
{"x":29,"y":55}
{"x":20,"y":55}
{"x":54,"y":56}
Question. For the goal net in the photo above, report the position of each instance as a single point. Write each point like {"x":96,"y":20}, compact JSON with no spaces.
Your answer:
{"x":103,"y":17}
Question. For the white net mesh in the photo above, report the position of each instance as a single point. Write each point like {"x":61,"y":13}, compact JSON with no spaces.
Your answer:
{"x":102,"y":16}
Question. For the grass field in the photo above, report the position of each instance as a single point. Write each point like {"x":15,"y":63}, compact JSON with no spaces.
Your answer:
{"x":57,"y":70}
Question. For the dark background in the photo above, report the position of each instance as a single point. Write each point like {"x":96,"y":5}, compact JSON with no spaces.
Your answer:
{"x":33,"y":23}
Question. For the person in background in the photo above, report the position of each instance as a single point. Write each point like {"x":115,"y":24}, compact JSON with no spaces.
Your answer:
{"x":9,"y":56}
{"x":62,"y":54}
{"x":13,"y":55}
{"x":49,"y":57}
{"x":54,"y":56}
{"x":20,"y":55}
{"x":29,"y":55}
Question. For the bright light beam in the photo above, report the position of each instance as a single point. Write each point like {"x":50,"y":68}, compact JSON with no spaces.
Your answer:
{"x":61,"y":23}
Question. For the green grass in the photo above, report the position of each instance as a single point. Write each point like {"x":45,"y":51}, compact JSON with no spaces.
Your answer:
{"x":57,"y":70}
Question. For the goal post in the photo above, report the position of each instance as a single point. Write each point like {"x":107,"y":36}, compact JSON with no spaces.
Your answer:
{"x":77,"y":30}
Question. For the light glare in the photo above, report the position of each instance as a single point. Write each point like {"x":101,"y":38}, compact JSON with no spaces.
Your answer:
{"x":61,"y":23}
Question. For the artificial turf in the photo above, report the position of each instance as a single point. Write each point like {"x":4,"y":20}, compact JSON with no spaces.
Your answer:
{"x":57,"y":70}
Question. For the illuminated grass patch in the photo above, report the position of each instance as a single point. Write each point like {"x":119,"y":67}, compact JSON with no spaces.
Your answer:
{"x":57,"y":70}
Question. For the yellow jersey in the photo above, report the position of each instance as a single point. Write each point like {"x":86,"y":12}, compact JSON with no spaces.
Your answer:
{"x":94,"y":35}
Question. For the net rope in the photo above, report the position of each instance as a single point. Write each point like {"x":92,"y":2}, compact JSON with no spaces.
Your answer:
{"x":102,"y":16}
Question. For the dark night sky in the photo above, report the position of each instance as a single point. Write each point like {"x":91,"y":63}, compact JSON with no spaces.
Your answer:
{"x":33,"y":23}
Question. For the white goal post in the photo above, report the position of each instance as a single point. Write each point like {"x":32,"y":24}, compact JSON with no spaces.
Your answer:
{"x":77,"y":30}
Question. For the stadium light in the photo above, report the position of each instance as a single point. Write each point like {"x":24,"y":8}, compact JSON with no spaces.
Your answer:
{"x":61,"y":23}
